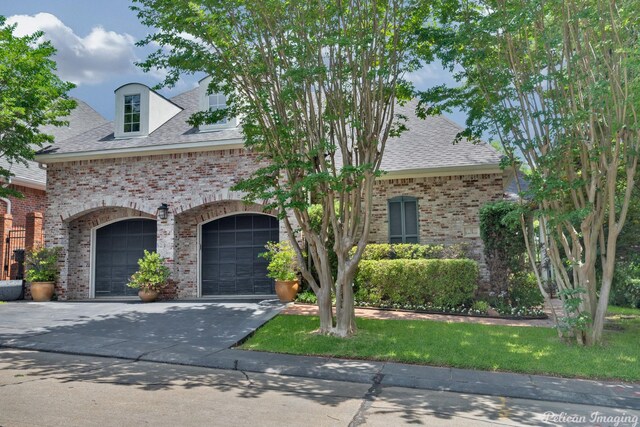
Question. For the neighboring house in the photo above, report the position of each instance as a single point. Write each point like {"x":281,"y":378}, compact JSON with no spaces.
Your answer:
{"x":30,"y":180}
{"x":21,"y":217}
{"x":106,"y":189}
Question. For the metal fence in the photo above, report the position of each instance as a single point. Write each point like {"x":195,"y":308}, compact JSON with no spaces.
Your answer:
{"x":13,"y":266}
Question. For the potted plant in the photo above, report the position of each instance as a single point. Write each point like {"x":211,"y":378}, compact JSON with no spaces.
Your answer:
{"x":151,"y":276}
{"x":42,"y":272}
{"x":283,"y":267}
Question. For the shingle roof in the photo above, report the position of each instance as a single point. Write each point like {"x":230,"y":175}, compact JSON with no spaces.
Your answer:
{"x":81,"y":119}
{"x":174,"y":131}
{"x":428,"y":144}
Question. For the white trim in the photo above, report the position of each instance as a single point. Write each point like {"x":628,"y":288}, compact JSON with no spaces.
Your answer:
{"x":442,"y":171}
{"x":149,"y":150}
{"x":199,"y":247}
{"x":29,"y":183}
{"x":92,"y":248}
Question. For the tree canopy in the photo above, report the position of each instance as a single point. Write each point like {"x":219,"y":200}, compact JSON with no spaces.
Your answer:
{"x":31,"y":96}
{"x":316,"y":84}
{"x":558,"y":83}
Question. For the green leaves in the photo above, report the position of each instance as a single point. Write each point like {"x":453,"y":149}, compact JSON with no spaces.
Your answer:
{"x":152,"y":274}
{"x":42,"y":264}
{"x":282,"y":261}
{"x":31,"y":96}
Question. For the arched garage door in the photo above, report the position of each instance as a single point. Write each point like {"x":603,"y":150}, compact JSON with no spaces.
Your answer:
{"x":118,"y":248}
{"x":230,"y":249}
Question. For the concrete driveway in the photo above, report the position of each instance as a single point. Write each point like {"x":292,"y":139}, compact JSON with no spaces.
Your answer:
{"x":176,"y":332}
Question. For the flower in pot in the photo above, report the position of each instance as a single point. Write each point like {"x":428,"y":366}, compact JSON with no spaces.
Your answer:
{"x":283,"y":267}
{"x":42,"y":272}
{"x":151,"y":277}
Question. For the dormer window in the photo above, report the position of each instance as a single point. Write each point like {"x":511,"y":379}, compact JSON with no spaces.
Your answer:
{"x":218,"y":101}
{"x":213,"y":102}
{"x":140,"y":111}
{"x":132,"y":113}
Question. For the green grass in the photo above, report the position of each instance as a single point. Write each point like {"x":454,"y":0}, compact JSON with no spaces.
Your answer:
{"x":464,"y":345}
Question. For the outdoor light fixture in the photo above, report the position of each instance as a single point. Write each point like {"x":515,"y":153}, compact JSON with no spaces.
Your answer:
{"x":163,"y":212}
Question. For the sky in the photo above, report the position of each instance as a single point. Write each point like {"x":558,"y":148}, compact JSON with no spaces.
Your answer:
{"x":95,"y":42}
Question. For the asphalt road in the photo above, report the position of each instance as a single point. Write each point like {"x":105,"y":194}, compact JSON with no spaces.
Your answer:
{"x":50,"y":389}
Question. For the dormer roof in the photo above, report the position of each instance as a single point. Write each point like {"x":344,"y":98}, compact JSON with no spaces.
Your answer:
{"x":140,"y":111}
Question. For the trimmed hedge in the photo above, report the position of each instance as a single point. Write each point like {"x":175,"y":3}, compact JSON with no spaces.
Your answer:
{"x":439,"y":282}
{"x":379,"y":251}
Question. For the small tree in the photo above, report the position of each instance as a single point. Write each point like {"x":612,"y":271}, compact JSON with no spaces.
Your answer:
{"x":558,"y":82}
{"x":31,"y":96}
{"x":504,"y":244}
{"x":316,"y":84}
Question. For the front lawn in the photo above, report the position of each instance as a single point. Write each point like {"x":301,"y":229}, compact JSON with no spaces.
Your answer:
{"x":494,"y":348}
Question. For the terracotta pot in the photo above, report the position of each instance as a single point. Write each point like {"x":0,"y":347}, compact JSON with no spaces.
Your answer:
{"x":148,"y":296}
{"x":287,"y":289}
{"x":42,"y":291}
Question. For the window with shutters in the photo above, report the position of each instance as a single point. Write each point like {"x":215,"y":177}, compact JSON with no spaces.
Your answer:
{"x":403,"y":220}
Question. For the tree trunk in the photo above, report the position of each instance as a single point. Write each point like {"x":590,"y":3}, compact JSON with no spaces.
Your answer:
{"x":325,"y":310}
{"x":345,"y":311}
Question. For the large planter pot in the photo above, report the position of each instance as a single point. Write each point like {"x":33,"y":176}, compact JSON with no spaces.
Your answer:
{"x":148,"y":296}
{"x":287,"y":289}
{"x":10,"y":290}
{"x":42,"y":291}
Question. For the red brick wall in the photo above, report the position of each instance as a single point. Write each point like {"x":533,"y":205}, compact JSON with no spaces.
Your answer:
{"x":33,"y":201}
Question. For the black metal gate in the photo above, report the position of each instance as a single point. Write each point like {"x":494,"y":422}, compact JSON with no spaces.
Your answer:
{"x":13,"y":266}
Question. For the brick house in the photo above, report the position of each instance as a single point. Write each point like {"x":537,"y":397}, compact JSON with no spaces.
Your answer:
{"x":106,"y":188}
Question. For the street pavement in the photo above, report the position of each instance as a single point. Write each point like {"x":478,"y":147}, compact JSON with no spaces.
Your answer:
{"x":203,"y":334}
{"x":52,"y":389}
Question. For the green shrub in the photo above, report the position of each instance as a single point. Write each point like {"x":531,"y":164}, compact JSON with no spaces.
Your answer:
{"x":42,"y":264}
{"x":481,"y":307}
{"x":504,"y":244}
{"x":442,"y":283}
{"x":625,"y":289}
{"x":378,"y":251}
{"x":283,"y":263}
{"x":307,"y":297}
{"x":152,"y":274}
{"x":524,"y":291}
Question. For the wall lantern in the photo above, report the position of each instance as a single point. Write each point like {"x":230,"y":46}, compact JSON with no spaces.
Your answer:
{"x":163,"y":212}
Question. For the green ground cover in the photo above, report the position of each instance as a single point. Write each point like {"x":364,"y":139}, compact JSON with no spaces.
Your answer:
{"x":534,"y":350}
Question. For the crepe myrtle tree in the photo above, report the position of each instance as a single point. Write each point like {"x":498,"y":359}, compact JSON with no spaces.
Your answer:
{"x":31,"y":96}
{"x":558,"y":82}
{"x":316,"y":84}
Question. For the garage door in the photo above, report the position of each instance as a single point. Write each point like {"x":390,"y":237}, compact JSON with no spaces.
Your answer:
{"x":118,"y":248}
{"x":230,"y":249}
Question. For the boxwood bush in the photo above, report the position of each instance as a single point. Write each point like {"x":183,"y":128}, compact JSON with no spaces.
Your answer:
{"x":378,"y":251}
{"x":418,"y":282}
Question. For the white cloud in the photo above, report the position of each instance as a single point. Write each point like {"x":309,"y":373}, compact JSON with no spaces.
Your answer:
{"x":91,"y":59}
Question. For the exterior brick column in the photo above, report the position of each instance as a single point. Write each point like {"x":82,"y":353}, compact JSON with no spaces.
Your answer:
{"x":166,"y":249}
{"x":33,"y":231}
{"x":6,"y":222}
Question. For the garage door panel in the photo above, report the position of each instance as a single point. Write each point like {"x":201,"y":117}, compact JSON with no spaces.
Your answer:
{"x":227,"y":238}
{"x":261,"y":237}
{"x":118,"y":248}
{"x":119,"y":258}
{"x":236,"y":242}
{"x":227,"y":255}
{"x":244,"y":238}
{"x":262,"y":221}
{"x":227,"y":270}
{"x":244,"y":222}
{"x":227,"y":287}
{"x":209,"y":287}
